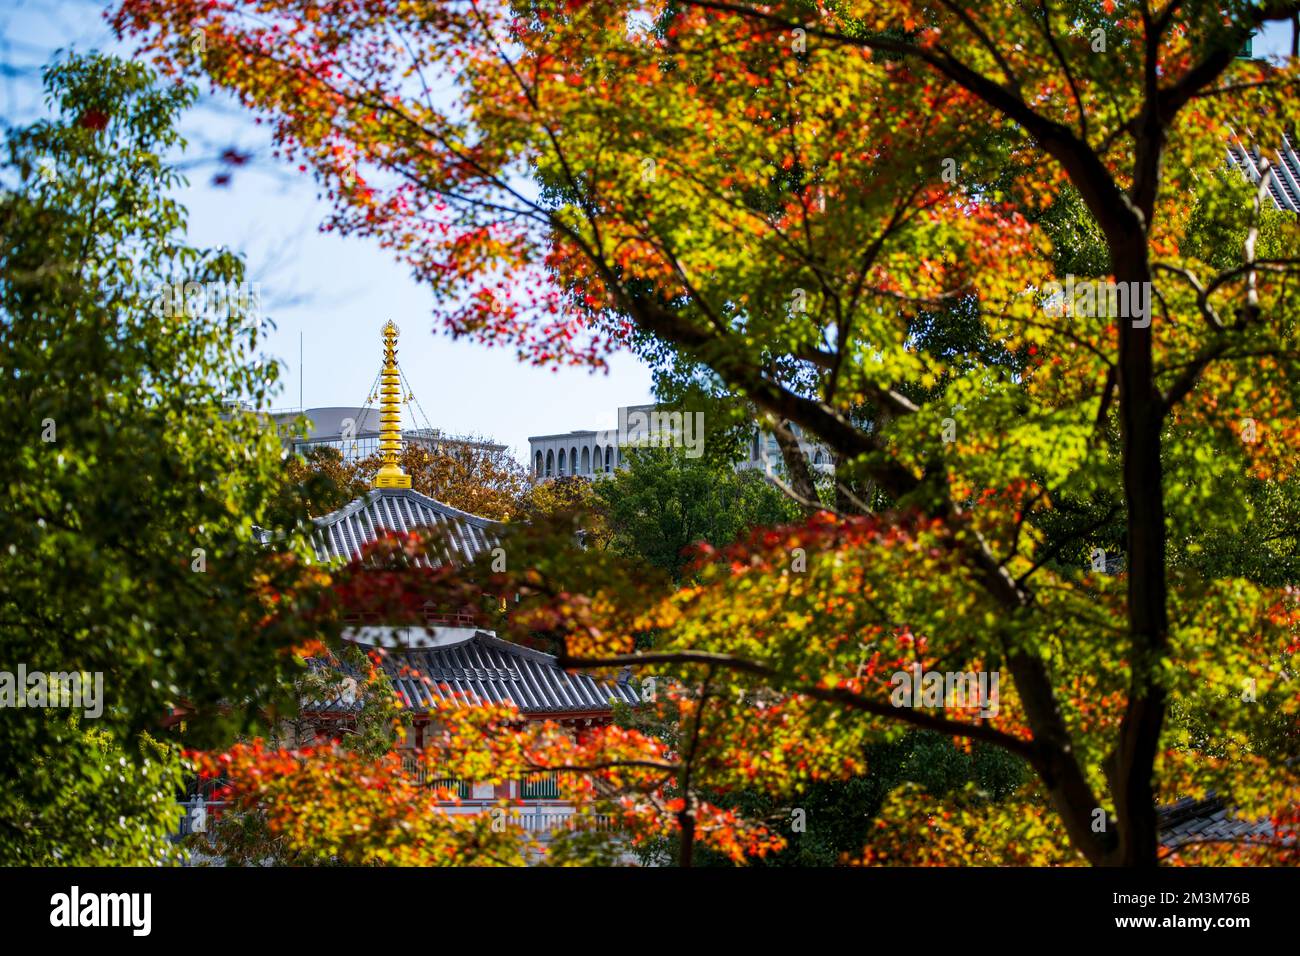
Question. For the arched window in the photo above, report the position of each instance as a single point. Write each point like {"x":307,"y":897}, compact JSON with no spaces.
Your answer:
{"x":537,"y":466}
{"x":561,"y":461}
{"x":573,"y":461}
{"x":586,"y":460}
{"x":817,"y":458}
{"x":550,"y":462}
{"x":609,"y":459}
{"x":595,"y":460}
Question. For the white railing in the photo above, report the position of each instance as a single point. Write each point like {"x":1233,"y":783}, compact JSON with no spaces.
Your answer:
{"x":540,"y":817}
{"x":534,"y":815}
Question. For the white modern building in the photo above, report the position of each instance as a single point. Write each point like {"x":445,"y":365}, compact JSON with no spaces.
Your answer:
{"x":591,"y":452}
{"x":354,"y":431}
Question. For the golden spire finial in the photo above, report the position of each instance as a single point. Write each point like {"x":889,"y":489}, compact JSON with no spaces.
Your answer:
{"x":390,"y":416}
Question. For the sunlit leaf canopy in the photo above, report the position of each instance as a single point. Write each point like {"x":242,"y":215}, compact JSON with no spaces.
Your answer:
{"x":795,"y":196}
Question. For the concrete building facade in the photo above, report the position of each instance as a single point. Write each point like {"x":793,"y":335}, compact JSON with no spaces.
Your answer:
{"x":592,"y":452}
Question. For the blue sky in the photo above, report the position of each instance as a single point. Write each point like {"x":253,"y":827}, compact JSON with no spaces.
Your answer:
{"x":334,"y":292}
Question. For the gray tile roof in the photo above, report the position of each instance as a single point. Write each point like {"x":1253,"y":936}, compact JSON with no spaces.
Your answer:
{"x":1284,"y":184}
{"x":487,"y":669}
{"x":1191,"y":819}
{"x":480,"y":668}
{"x":341,"y":535}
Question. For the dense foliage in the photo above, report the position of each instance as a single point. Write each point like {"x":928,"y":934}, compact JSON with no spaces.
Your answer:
{"x":473,"y":475}
{"x":130,"y":488}
{"x":842,"y":215}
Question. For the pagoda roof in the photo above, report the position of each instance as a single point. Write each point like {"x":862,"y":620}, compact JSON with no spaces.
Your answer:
{"x":484,"y":669}
{"x":1192,"y":820}
{"x":341,"y":535}
{"x":1284,"y":184}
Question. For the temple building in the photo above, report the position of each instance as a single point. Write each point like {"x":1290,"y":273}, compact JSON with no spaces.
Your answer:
{"x":449,"y":659}
{"x":1284,"y":175}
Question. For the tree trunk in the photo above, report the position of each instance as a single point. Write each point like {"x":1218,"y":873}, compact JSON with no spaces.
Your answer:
{"x":686,"y":820}
{"x":1141,"y":417}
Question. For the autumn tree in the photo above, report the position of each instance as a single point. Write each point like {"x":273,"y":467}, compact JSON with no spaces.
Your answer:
{"x":472,"y":474}
{"x":662,"y":505}
{"x":347,"y":707}
{"x":570,"y":502}
{"x":320,"y":481}
{"x":780,"y":192}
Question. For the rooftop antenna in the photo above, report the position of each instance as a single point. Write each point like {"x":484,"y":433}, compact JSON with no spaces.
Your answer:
{"x":300,"y":370}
